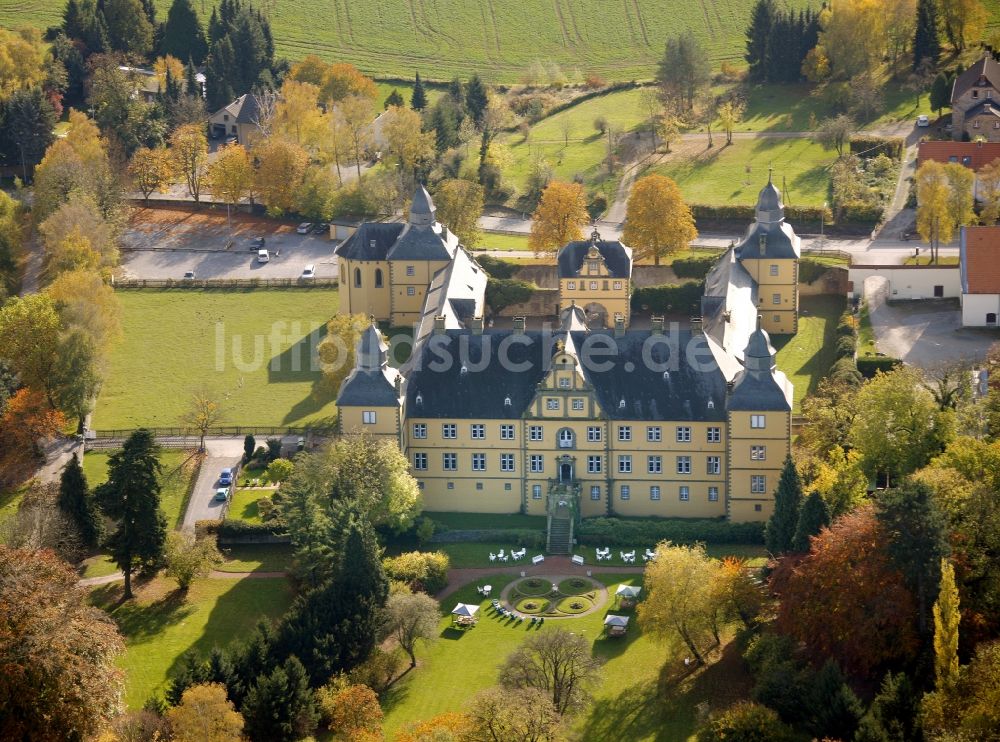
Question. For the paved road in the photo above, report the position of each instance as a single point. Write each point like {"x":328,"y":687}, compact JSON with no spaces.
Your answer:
{"x":221,"y":453}
{"x":287,"y":261}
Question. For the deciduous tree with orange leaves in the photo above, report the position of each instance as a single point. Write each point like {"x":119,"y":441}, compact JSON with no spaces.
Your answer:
{"x":657,"y":221}
{"x":845,"y":599}
{"x":559,"y":218}
{"x":458,"y":726}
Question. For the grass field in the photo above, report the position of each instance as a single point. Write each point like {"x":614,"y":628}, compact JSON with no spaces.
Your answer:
{"x":498,"y":39}
{"x":256,"y":558}
{"x":508,"y":242}
{"x":807,"y":356}
{"x":735,"y":174}
{"x":162,"y":624}
{"x":252,"y":349}
{"x":628,"y":704}
{"x":243,"y":505}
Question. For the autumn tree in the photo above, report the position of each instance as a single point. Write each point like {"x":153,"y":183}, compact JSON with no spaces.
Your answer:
{"x":513,"y":715}
{"x":343,"y":80}
{"x":150,"y":170}
{"x":730,"y":113}
{"x":204,"y":412}
{"x":963,"y":21}
{"x":459,"y":205}
{"x":935,"y":221}
{"x":25,"y":60}
{"x":355,"y":114}
{"x":846,"y":599}
{"x":282,"y":165}
{"x":989,"y":192}
{"x":205,"y":715}
{"x":231,"y":175}
{"x":737,"y":591}
{"x":558,"y":663}
{"x":441,"y":728}
{"x":338,"y":349}
{"x":961,"y":184}
{"x":297,"y":115}
{"x":411,"y":617}
{"x":657,"y":221}
{"x":349,"y":710}
{"x":30,"y":339}
{"x":188,"y":557}
{"x":189,"y":148}
{"x":840,"y":480}
{"x":59,"y":653}
{"x":853,"y":36}
{"x":835,"y":132}
{"x":76,"y":502}
{"x":968,"y":707}
{"x":78,"y":235}
{"x":946,"y":618}
{"x":83,"y":301}
{"x":27,"y":418}
{"x":682,"y":72}
{"x":131,"y":498}
{"x":747,"y":722}
{"x":406,"y":143}
{"x":559,"y":217}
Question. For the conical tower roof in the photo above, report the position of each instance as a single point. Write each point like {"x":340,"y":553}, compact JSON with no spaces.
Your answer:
{"x":422,"y":208}
{"x":770,"y":208}
{"x":372,"y":352}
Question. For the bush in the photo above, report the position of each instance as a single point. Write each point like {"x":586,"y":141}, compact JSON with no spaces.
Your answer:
{"x":846,"y":327}
{"x":421,"y":570}
{"x":505,"y":292}
{"x":620,"y":532}
{"x":870,"y":146}
{"x":747,"y":722}
{"x":204,"y":528}
{"x":234,"y":528}
{"x":858,"y":211}
{"x":746,"y":213}
{"x":685,"y":297}
{"x":695,"y":267}
{"x":810,"y":270}
{"x":378,"y":671}
{"x":845,"y":370}
{"x":846,"y":346}
{"x":868,"y":366}
{"x":497,"y":267}
{"x":519,"y":536}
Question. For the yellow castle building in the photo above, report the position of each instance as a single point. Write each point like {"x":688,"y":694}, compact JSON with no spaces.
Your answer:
{"x":573,"y":420}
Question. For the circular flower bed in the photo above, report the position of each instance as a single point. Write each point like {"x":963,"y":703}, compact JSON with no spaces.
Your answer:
{"x":576,"y":586}
{"x":534,"y":586}
{"x":532,"y":606}
{"x":574,"y":605}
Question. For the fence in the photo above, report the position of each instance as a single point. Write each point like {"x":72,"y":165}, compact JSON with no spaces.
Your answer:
{"x":227,"y":283}
{"x":98,"y":440}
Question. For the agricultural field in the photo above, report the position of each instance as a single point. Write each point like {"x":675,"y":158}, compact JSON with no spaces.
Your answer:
{"x":497,"y":39}
{"x":252,"y":349}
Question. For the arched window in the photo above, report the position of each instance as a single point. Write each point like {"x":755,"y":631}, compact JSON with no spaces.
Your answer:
{"x":565,"y":438}
{"x":357,"y":278}
{"x":378,"y":278}
{"x":991,"y":318}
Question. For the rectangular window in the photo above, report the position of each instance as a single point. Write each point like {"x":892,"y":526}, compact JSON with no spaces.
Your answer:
{"x":535,"y":432}
{"x":479,"y":462}
{"x":479,"y":485}
{"x":714,"y":435}
{"x":449,"y":430}
{"x":507,"y":487}
{"x":773,"y":269}
{"x":758,"y":484}
{"x":595,"y":464}
{"x":594,"y":433}
{"x":618,"y":285}
{"x":478,"y":431}
{"x":683,"y":434}
{"x":537,"y":463}
{"x":411,"y":291}
{"x":595,"y":492}
{"x":654,"y":464}
{"x":506,"y":462}
{"x":593,"y":285}
{"x":776,"y":318}
{"x":449,"y":461}
{"x":419,"y":430}
{"x":757,"y":421}
{"x":713,"y":494}
{"x":625,"y":433}
{"x":536,"y":492}
{"x":420,"y":461}
{"x":571,"y":286}
{"x":758,"y":453}
{"x":506,"y":432}
{"x":605,"y":285}
{"x":420,"y":485}
{"x":368,"y":417}
{"x":683,"y":464}
{"x":624,"y":464}
{"x":684,"y":493}
{"x":411,"y":271}
{"x":451,"y":485}
{"x":654,"y":492}
{"x":776,"y":298}
{"x":626,"y":492}
{"x":564,"y":383}
{"x":551,"y":403}
{"x":653,"y":434}
{"x":714,"y":465}
{"x":578,"y":405}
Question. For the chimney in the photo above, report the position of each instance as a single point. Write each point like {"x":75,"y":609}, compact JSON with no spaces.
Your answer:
{"x":619,"y":325}
{"x":696,"y":328}
{"x":439,"y":325}
{"x":656,"y":325}
{"x":519,"y":325}
{"x":399,"y":385}
{"x":476,"y":325}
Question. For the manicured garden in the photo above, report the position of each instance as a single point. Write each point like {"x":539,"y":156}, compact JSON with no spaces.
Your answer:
{"x":251,"y":349}
{"x":243,"y":504}
{"x":539,"y":596}
{"x":807,"y":356}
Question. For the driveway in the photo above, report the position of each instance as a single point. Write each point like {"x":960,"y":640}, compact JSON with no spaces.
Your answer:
{"x":288,"y":258}
{"x":221,"y":453}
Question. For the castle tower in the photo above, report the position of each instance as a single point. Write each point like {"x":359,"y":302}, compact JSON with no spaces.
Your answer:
{"x":370,"y":399}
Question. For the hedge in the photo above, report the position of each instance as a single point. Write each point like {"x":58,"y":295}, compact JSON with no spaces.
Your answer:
{"x":871,"y":365}
{"x":696,"y":267}
{"x":497,"y":267}
{"x":233,"y":528}
{"x":747,"y":213}
{"x":647,"y":532}
{"x":860,"y":212}
{"x":869,"y":145}
{"x":685,"y":297}
{"x":810,"y":269}
{"x":519,"y":536}
{"x":421,"y":570}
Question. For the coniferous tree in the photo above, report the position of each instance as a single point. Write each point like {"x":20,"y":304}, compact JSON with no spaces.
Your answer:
{"x":191,"y":86}
{"x":76,"y":502}
{"x":926,"y":38}
{"x":894,"y":715}
{"x":280,"y":707}
{"x":836,"y":711}
{"x":250,"y":660}
{"x":780,"y":530}
{"x":418,"y":100}
{"x":28,"y":122}
{"x":814,"y":516}
{"x":129,"y":28}
{"x":476,"y":99}
{"x":758,"y":36}
{"x":183,"y":36}
{"x":940,"y":92}
{"x":192,"y":671}
{"x":131,"y":498}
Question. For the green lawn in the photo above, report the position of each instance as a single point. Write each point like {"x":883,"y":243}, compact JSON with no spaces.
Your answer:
{"x":476,"y":521}
{"x":256,"y":558}
{"x":511,"y":242}
{"x":179,"y":470}
{"x":243,"y":505}
{"x":807,"y":356}
{"x":734,"y":174}
{"x":866,"y":333}
{"x":10,"y":501}
{"x":406,"y":90}
{"x":498,"y":39}
{"x":628,"y":703}
{"x":252,"y":349}
{"x":161,"y":624}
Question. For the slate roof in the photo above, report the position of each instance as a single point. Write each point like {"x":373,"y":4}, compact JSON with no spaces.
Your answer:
{"x":986,"y":67}
{"x":779,"y":241}
{"x":617,"y":257}
{"x":422,"y":208}
{"x":980,"y":260}
{"x":373,"y":381}
{"x":371,"y":241}
{"x":437,"y":387}
{"x":760,"y":386}
{"x":986,"y":108}
{"x":456,"y":293}
{"x":424,"y":242}
{"x":244,"y":110}
{"x":729,"y":304}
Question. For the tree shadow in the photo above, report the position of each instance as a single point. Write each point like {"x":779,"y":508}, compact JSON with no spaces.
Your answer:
{"x":138,"y":622}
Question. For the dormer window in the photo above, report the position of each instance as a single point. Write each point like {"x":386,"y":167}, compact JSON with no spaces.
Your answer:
{"x":975,"y":93}
{"x":419,"y":399}
{"x":507,"y":402}
{"x":593,"y":267}
{"x":464,"y":370}
{"x":621,"y":404}
{"x":711,"y":404}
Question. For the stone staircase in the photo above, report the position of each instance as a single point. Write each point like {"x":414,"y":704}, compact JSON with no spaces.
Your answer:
{"x":560,"y":536}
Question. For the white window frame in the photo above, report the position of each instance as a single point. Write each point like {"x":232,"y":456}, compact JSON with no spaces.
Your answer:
{"x":506,"y":462}
{"x":479,"y":462}
{"x":684,"y":465}
{"x":625,"y":464}
{"x":714,"y":434}
{"x":713,"y":464}
{"x":411,"y":270}
{"x":776,"y":299}
{"x":536,"y":492}
{"x":758,"y":453}
{"x":449,"y":461}
{"x":595,"y":492}
{"x":758,"y":422}
{"x":571,"y":285}
{"x":683,"y":434}
{"x":594,"y":434}
{"x":595,"y":464}
{"x":654,"y":492}
{"x":565,"y":382}
{"x":625,"y":433}
{"x":654,"y":464}
{"x":617,"y":285}
{"x":626,"y":492}
{"x":537,"y":463}
{"x":420,"y":430}
{"x":773,"y":269}
{"x":551,"y":403}
{"x":654,"y":434}
{"x":758,"y":484}
{"x":565,"y":438}
{"x":535,"y":433}
{"x":478,"y":432}
{"x":420,"y":461}
{"x":369,"y":417}
{"x":578,"y":405}
{"x":713,"y":494}
{"x":684,"y":493}
{"x":506,"y":432}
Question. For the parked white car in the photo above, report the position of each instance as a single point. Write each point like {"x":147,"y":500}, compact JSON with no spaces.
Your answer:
{"x":263,"y":256}
{"x":309,"y":272}
{"x":304,"y":228}
{"x":923,"y":121}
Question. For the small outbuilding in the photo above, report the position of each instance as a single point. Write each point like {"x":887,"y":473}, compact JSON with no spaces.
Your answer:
{"x":615,"y":625}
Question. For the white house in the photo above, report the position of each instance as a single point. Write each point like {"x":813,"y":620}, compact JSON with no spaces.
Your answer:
{"x":980,"y":271}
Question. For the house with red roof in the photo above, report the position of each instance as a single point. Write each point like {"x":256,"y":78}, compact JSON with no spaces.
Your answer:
{"x":980,"y":275}
{"x":973,"y":155}
{"x":975,"y":101}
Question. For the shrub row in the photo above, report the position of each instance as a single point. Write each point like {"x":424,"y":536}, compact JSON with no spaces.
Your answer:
{"x":519,"y":536}
{"x":685,"y":297}
{"x":695,"y":267}
{"x":869,"y":145}
{"x":421,"y":570}
{"x":590,"y":96}
{"x":844,"y":369}
{"x":647,"y":532}
{"x":859,"y":212}
{"x":233,"y":528}
{"x":497,"y":267}
{"x":810,"y":269}
{"x":747,"y":213}
{"x":871,"y":365}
